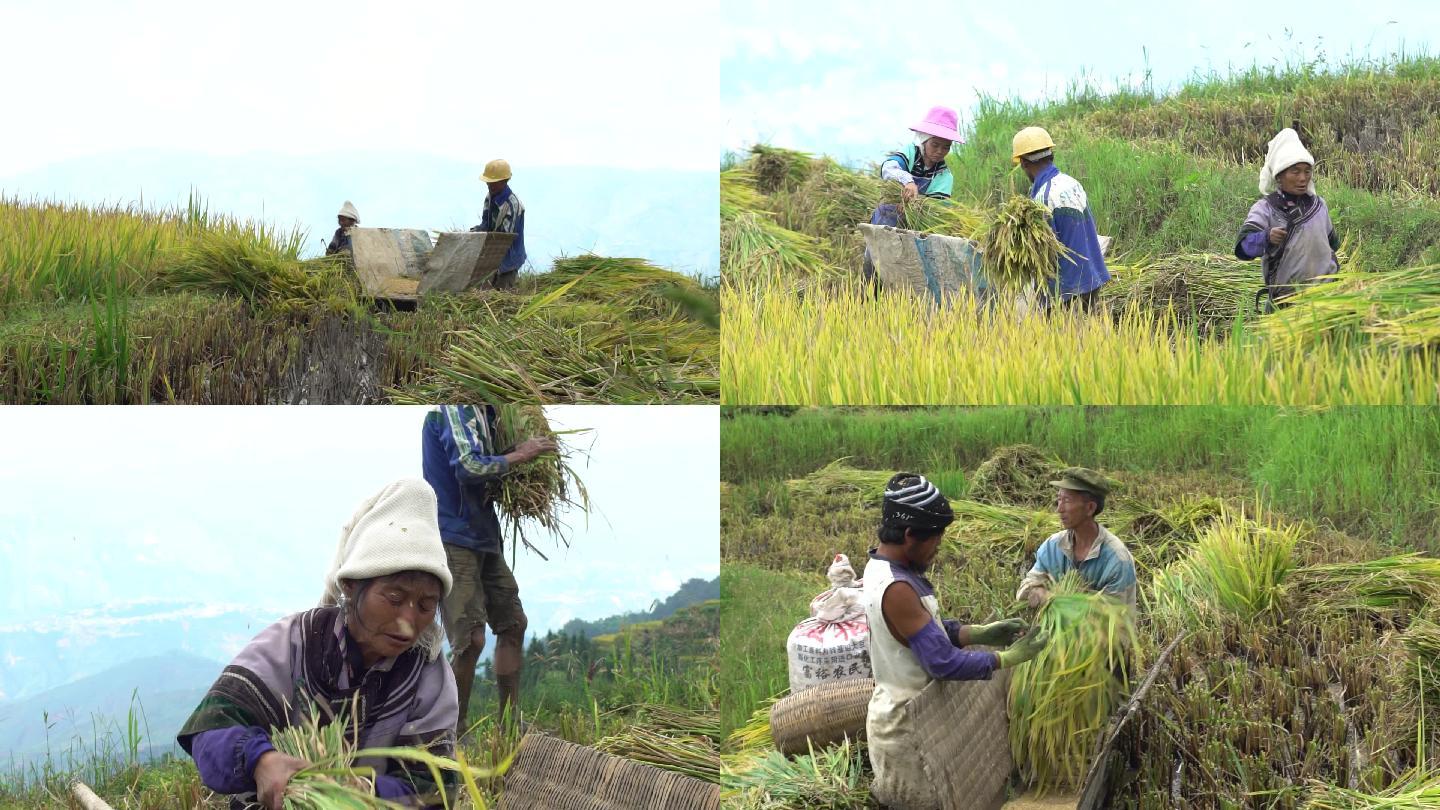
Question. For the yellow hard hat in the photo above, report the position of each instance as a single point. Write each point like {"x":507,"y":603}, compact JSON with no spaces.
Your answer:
{"x":1031,"y":139}
{"x":496,"y":170}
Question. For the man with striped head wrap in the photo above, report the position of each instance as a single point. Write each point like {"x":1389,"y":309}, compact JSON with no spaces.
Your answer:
{"x":910,"y":644}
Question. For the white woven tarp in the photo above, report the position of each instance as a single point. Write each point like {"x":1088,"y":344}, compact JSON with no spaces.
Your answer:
{"x":927,"y":264}
{"x":462,"y":260}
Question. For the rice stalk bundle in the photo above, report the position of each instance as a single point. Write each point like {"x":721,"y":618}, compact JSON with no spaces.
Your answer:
{"x":929,"y":215}
{"x":776,"y":169}
{"x":738,"y":194}
{"x":754,"y":735}
{"x":1156,"y":535}
{"x":693,"y":755}
{"x":668,"y":719}
{"x":1007,"y":530}
{"x":1062,"y":700}
{"x":1398,"y":309}
{"x":1422,"y":639}
{"x":753,"y":245}
{"x":1205,"y":289}
{"x":631,"y":285}
{"x":543,"y":489}
{"x":832,"y":778}
{"x":1237,"y":566}
{"x":332,"y":780}
{"x":1404,"y":581}
{"x":1021,"y":250}
{"x":1420,"y":790}
{"x":1016,"y":474}
{"x":240,"y":263}
{"x":835,"y":199}
{"x":839,"y":478}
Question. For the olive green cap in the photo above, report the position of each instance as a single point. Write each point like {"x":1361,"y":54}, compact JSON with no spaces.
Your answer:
{"x":1081,"y":479}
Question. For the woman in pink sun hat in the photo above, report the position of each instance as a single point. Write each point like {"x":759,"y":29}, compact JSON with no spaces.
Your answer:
{"x":919,"y":167}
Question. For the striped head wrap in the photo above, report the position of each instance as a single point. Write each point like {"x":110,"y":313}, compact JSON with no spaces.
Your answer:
{"x":912,"y":501}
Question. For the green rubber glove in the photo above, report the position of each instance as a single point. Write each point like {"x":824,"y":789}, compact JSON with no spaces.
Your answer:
{"x":997,"y":634}
{"x":1024,"y":649}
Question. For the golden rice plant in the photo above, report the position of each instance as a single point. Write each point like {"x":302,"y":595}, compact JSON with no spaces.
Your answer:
{"x":1397,"y":309}
{"x":1021,"y":250}
{"x":1062,"y":700}
{"x":838,"y":346}
{"x":237,"y":263}
{"x":543,"y":489}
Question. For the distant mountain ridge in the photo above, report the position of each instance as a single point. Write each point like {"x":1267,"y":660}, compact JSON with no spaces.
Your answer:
{"x":692,"y":592}
{"x":668,"y":217}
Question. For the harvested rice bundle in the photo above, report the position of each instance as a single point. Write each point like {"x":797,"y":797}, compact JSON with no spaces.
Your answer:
{"x":738,"y":194}
{"x":1016,"y":474}
{"x":633,"y":286}
{"x":1012,"y":530}
{"x":839,"y":199}
{"x":928,"y":215}
{"x":776,"y":169}
{"x":1404,"y":581}
{"x":1418,"y":790}
{"x":1061,"y":701}
{"x":1157,"y":535}
{"x":839,"y":478}
{"x":832,"y":778}
{"x":755,"y":734}
{"x":540,"y":490}
{"x":693,"y":755}
{"x":239,"y":263}
{"x":1237,"y":566}
{"x":1398,"y":308}
{"x":1206,"y":289}
{"x":1021,"y":250}
{"x":753,"y":246}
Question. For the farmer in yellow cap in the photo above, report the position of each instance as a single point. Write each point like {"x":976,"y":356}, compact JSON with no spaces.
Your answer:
{"x":1083,"y":545}
{"x":1082,"y":269}
{"x":910,"y":645}
{"x":347,"y":219}
{"x":503,"y":214}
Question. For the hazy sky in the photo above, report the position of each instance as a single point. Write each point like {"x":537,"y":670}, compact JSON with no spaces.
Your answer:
{"x":848,"y":78}
{"x":106,"y":509}
{"x":630,"y":84}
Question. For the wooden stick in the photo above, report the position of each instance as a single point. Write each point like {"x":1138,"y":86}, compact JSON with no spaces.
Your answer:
{"x":87,"y":797}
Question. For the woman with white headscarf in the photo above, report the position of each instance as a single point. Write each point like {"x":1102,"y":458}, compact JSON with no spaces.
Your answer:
{"x":1289,"y":229}
{"x":347,"y":219}
{"x":369,"y":652}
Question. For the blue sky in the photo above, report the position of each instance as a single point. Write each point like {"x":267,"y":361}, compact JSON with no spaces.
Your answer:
{"x":317,"y":89}
{"x":848,"y":78}
{"x":118,"y":518}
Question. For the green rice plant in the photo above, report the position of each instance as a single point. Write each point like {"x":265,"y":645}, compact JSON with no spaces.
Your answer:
{"x":1236,"y":566}
{"x":827,"y":347}
{"x":1061,"y":700}
{"x":833,"y":778}
{"x":1021,"y":250}
{"x":543,"y":489}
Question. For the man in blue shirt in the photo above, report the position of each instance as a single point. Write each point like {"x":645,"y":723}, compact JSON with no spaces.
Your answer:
{"x":462,"y":464}
{"x":503,"y":213}
{"x":1083,"y":545}
{"x":1082,"y":270}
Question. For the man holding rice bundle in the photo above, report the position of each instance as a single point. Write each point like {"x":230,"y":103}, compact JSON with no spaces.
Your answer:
{"x":370,"y":653}
{"x":1082,"y":266}
{"x":464,"y":466}
{"x":919,"y":167}
{"x":1083,"y":545}
{"x":1288,"y":229}
{"x":909,"y":643}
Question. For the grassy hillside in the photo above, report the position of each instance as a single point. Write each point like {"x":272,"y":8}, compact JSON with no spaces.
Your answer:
{"x":1321,"y":476}
{"x":1171,"y":178}
{"x":649,"y":694}
{"x":123,"y":305}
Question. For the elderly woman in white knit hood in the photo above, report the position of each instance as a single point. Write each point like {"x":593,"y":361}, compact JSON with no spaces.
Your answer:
{"x":346,"y":219}
{"x":375,"y":637}
{"x":1289,"y":229}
